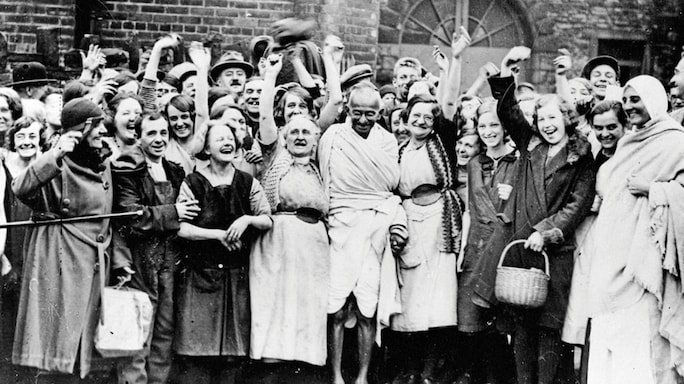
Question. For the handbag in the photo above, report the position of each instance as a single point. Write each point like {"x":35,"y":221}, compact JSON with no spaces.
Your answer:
{"x":125,"y":320}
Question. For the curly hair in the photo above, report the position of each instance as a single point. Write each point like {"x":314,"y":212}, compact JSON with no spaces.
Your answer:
{"x":23,"y":123}
{"x":570,"y":117}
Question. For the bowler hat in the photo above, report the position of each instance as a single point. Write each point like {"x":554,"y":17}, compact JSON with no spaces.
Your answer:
{"x":601,"y":60}
{"x":32,"y":73}
{"x":230,"y":59}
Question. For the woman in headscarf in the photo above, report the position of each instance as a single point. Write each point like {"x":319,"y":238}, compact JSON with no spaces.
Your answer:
{"x":633,"y":294}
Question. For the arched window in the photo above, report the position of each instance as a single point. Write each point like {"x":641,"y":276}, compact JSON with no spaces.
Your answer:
{"x":413,"y":28}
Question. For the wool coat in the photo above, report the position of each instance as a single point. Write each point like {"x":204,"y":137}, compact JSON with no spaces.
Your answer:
{"x":551,"y":196}
{"x":64,"y":264}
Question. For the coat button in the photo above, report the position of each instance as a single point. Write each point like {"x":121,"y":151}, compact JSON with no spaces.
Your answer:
{"x":100,"y":238}
{"x":66,"y":202}
{"x":96,"y":267}
{"x":220,"y":266}
{"x":65,"y":211}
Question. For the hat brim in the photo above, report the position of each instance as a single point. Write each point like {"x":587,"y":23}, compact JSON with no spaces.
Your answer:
{"x":29,"y":82}
{"x":220,"y":67}
{"x":601,"y":60}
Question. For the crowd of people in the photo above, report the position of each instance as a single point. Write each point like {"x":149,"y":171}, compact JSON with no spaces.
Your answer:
{"x":280,"y":207}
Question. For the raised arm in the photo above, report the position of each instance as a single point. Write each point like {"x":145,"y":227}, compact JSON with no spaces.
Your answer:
{"x":201,"y":57}
{"x":563,"y":63}
{"x":149,"y":83}
{"x":333,"y":50}
{"x":443,"y":65}
{"x":485,"y":72}
{"x":267,"y":126}
{"x":459,"y":43}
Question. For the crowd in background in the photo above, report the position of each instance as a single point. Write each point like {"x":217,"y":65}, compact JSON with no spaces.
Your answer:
{"x":287,"y":219}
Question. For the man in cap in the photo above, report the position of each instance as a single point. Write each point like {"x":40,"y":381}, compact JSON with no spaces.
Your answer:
{"x":186,"y":73}
{"x":65,"y":264}
{"x":232,"y":71}
{"x":602,"y":72}
{"x":30,"y":80}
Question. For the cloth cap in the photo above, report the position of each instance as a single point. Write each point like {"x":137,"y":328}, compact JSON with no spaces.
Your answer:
{"x":387,"y":88}
{"x":230,"y":59}
{"x":601,"y":60}
{"x":33,"y":73}
{"x":77,"y":111}
{"x":355,"y":74}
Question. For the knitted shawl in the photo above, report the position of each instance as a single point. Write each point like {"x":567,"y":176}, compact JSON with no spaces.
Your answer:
{"x":271,"y":181}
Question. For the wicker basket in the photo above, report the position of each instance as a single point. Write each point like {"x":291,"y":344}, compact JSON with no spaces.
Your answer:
{"x":521,"y":286}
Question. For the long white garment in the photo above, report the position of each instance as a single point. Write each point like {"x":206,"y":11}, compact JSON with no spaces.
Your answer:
{"x":359,"y":175}
{"x":428,"y":276}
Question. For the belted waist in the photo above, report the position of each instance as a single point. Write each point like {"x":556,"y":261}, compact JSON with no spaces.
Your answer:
{"x":425,"y":194}
{"x":305,"y":214}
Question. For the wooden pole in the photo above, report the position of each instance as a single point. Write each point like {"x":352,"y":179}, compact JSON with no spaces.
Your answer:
{"x":33,"y":223}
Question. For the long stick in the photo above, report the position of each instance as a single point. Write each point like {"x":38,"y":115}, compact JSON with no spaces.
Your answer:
{"x":32,"y":223}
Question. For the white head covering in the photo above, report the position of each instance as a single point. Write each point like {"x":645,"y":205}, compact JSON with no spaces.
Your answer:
{"x":652,"y":94}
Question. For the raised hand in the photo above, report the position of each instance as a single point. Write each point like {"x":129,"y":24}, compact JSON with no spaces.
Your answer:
{"x":94,"y":59}
{"x":168,"y":41}
{"x":188,"y":210}
{"x":274,"y":63}
{"x":488,"y":70}
{"x":199,"y":55}
{"x":440,"y":59}
{"x":563,"y":63}
{"x":460,"y":41}
{"x":334,"y":47}
{"x":511,"y":61}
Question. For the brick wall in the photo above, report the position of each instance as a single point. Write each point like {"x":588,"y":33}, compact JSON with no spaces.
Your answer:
{"x":19,"y":21}
{"x":232,"y":22}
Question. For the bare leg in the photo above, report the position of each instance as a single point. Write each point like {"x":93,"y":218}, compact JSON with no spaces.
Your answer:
{"x":335,"y":343}
{"x":366,"y":337}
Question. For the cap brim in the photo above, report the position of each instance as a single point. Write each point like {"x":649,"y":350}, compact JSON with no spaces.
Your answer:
{"x":355,"y":79}
{"x":27,"y":82}
{"x":220,"y":67}
{"x":600,"y":60}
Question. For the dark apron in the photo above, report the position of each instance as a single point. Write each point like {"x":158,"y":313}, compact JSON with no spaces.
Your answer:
{"x":213,"y":300}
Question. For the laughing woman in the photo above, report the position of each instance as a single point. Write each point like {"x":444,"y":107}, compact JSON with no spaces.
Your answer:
{"x":289,"y":264}
{"x":124,"y":115}
{"x":212,"y":333}
{"x":553,"y":193}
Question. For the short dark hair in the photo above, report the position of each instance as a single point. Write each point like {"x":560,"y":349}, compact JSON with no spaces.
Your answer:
{"x":183,"y":103}
{"x":420,"y":98}
{"x":154,"y":116}
{"x":23,"y":123}
{"x":609,"y":105}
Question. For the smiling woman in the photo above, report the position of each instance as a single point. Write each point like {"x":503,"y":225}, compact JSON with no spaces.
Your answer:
{"x":123,"y":121}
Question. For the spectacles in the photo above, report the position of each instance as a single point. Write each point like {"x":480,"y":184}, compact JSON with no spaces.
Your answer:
{"x":427,"y":118}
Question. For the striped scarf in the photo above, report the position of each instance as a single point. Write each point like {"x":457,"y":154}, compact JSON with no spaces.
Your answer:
{"x":446,"y":182}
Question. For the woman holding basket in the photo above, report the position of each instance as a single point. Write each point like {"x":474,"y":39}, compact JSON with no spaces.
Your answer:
{"x":553,"y":193}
